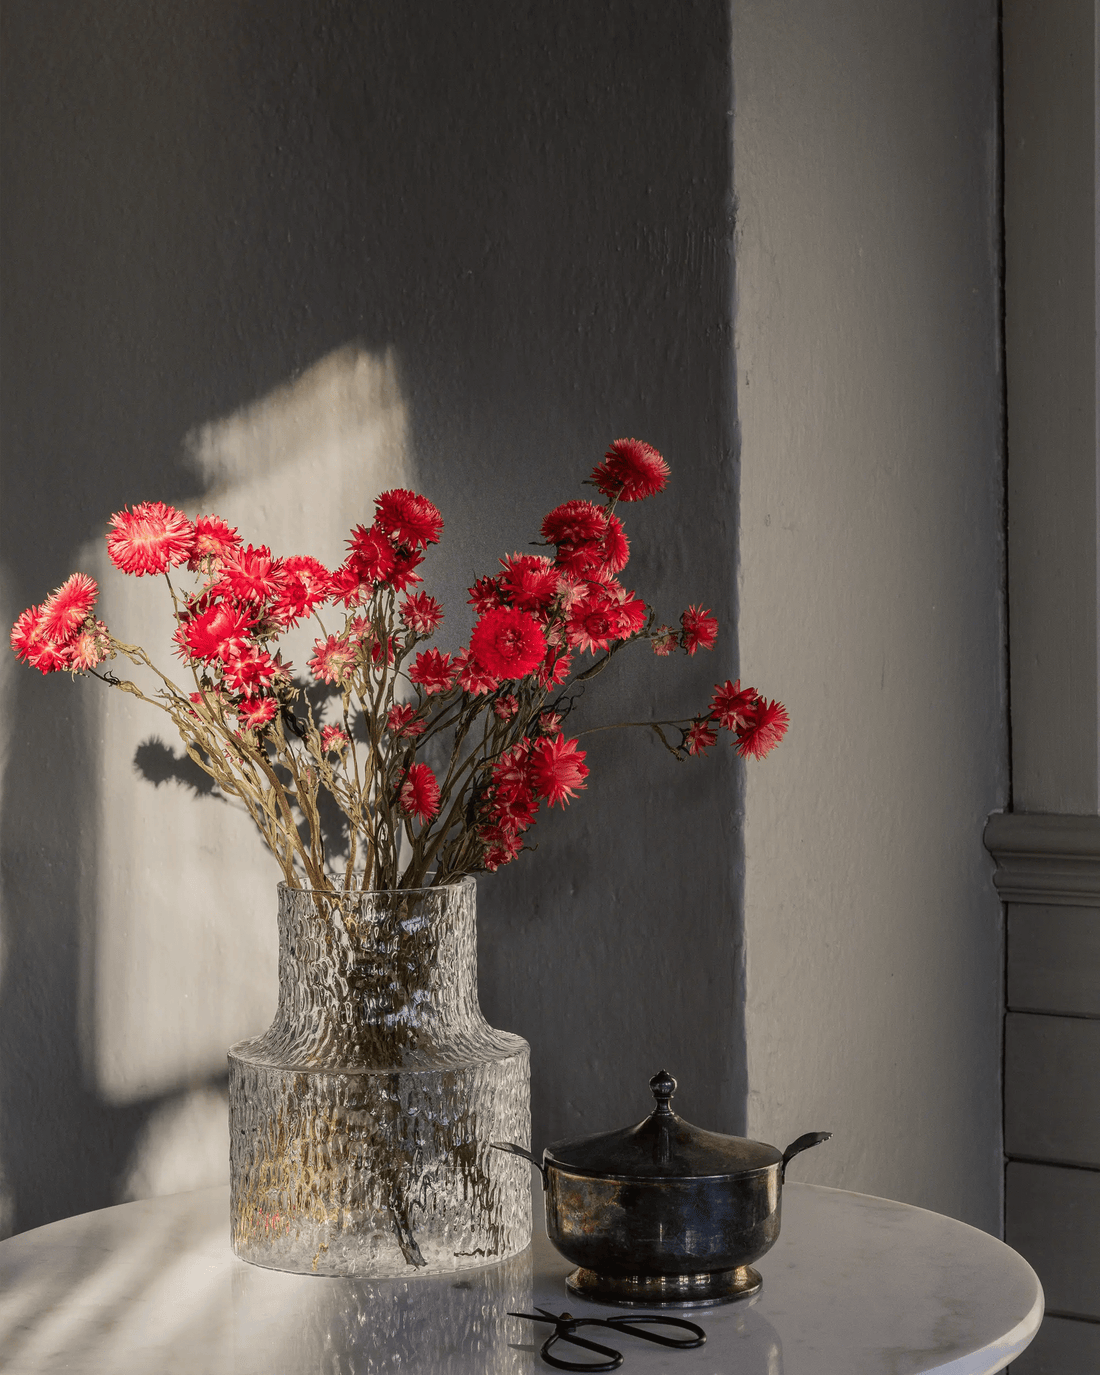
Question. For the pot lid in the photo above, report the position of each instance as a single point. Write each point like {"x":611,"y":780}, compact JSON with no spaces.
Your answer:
{"x":663,"y":1146}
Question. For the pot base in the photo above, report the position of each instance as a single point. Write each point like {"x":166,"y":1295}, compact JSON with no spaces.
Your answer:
{"x":666,"y":1291}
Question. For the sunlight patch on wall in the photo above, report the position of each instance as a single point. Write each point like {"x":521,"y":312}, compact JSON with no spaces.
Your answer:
{"x":182,"y":960}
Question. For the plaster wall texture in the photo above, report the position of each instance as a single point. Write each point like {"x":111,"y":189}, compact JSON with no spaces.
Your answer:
{"x":870,"y":566}
{"x":224,"y":210}
{"x":1051,"y":150}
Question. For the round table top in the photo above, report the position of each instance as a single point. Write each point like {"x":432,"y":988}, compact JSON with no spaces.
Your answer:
{"x":854,"y":1286}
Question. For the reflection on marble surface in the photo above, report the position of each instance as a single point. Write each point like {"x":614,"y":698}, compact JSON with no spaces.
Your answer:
{"x":854,"y":1286}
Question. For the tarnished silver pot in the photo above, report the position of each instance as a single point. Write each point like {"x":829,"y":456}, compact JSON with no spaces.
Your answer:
{"x":663,"y":1213}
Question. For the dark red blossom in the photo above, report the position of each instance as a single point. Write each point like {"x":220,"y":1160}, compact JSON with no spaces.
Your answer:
{"x":370,"y":554}
{"x":631,"y":471}
{"x":419,"y":795}
{"x":401,"y":576}
{"x":765,"y":726}
{"x":400,"y":720}
{"x":700,"y":629}
{"x":557,"y":769}
{"x":606,"y":614}
{"x":149,"y":538}
{"x":221,"y":632}
{"x":67,"y":608}
{"x":700,"y":736}
{"x":508,"y":643}
{"x":255,"y":714}
{"x":250,"y":671}
{"x":306,"y":583}
{"x":472,"y":678}
{"x":421,"y":613}
{"x":432,"y":671}
{"x":486,"y":594}
{"x":529,"y":582}
{"x":731,"y":704}
{"x":252,"y":575}
{"x":408,"y":518}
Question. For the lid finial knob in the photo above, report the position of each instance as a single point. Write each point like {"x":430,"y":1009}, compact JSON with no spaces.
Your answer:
{"x":662,"y":1086}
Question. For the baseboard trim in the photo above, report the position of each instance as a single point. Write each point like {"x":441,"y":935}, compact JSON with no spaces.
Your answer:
{"x":1045,"y":858}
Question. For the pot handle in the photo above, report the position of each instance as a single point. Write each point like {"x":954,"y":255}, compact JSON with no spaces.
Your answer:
{"x":513,"y":1149}
{"x":802,"y":1144}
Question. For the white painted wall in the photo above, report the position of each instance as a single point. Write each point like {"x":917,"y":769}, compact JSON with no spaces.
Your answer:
{"x":868,"y":395}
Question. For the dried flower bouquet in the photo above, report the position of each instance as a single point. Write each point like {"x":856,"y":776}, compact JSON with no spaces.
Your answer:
{"x":378,"y":704}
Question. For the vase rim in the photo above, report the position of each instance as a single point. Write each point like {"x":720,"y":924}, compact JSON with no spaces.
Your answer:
{"x":370,"y":892}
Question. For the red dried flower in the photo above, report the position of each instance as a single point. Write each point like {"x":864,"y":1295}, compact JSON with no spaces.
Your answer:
{"x":554,"y":669}
{"x":250,"y":671}
{"x":255,"y":714}
{"x":214,"y":540}
{"x":631,"y":471}
{"x":529,"y":582}
{"x":432,"y":671}
{"x":419,"y":796}
{"x":665,"y":640}
{"x":334,"y":739}
{"x":472,"y":678}
{"x":252,"y":575}
{"x":333,"y":659}
{"x":574,"y":523}
{"x":218,"y":633}
{"x":149,"y":538}
{"x":421,"y":613}
{"x":731,"y":704}
{"x":89,"y":646}
{"x":700,"y":736}
{"x":607,"y":614}
{"x":587,"y":538}
{"x":371,"y":554}
{"x":766,"y":725}
{"x":700,"y":629}
{"x":508,"y":643}
{"x":399,"y":721}
{"x":557,"y":769}
{"x":402,"y":577}
{"x":68,"y":607}
{"x":409,"y":518}
{"x":486,"y":594}
{"x":306,"y":583}
{"x":504,"y":708}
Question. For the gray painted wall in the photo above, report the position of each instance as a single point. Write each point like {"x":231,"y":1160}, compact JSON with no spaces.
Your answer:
{"x":517,"y":220}
{"x":868,"y":395}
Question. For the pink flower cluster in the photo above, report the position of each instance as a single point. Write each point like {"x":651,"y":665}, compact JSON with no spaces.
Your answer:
{"x":534,"y":617}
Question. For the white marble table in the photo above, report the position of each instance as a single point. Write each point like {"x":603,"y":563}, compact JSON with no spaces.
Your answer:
{"x":854,"y":1286}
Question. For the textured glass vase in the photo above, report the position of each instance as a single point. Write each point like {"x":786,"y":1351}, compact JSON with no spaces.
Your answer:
{"x":361,"y":1121}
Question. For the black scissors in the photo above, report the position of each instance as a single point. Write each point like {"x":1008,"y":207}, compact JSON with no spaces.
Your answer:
{"x":565,"y":1326}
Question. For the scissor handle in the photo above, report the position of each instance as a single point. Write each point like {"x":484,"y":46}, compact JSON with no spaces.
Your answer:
{"x":566,"y":1334}
{"x":626,"y":1324}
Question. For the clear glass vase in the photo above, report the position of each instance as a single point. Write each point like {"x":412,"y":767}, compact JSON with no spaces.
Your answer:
{"x":361,"y":1120}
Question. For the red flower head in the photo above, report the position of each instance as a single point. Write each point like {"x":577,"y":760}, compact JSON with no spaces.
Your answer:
{"x":501,"y":847}
{"x":402,"y":577}
{"x":333,"y":660}
{"x":766,"y":725}
{"x":529,"y":582}
{"x":665,"y":640}
{"x":306,"y":583}
{"x":432,"y":671}
{"x":399,"y":721}
{"x":511,"y":777}
{"x":252,"y":575}
{"x":250,"y":671}
{"x":732,"y":704}
{"x":218,"y":633}
{"x":587,"y":538}
{"x":419,"y":795}
{"x":255,"y":714}
{"x":371,"y":555}
{"x":508,"y":643}
{"x":554,"y":669}
{"x":486,"y":594}
{"x":421,"y":613}
{"x":631,"y":471}
{"x":472,"y":678}
{"x":408,"y":518}
{"x":214,"y":540}
{"x":700,"y":736}
{"x":700,"y":629}
{"x":67,"y":608}
{"x":505,"y":707}
{"x":557,"y":769}
{"x":334,"y":740}
{"x":150,"y":538}
{"x":606,"y":614}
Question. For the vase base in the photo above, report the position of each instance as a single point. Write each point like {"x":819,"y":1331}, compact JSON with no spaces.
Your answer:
{"x":666,"y":1291}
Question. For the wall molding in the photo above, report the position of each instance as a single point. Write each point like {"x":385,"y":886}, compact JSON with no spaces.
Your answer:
{"x":1045,"y":858}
